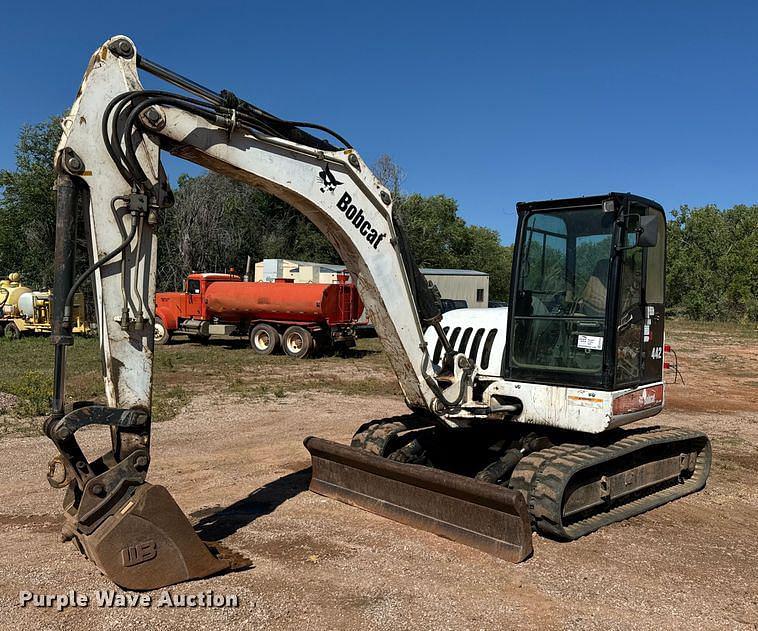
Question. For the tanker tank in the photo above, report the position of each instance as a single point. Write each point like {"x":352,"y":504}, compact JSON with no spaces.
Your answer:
{"x":309,"y":302}
{"x":11,"y":292}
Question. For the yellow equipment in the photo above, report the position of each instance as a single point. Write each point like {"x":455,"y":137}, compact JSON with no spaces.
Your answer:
{"x":24,"y":311}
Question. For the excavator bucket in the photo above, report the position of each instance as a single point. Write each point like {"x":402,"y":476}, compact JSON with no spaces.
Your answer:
{"x":484,"y":516}
{"x":149,"y":543}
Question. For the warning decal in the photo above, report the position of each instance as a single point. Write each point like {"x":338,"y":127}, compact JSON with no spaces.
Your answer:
{"x":591,"y":342}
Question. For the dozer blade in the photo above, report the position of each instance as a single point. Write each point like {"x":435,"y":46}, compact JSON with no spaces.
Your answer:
{"x":490,"y":518}
{"x":149,"y":543}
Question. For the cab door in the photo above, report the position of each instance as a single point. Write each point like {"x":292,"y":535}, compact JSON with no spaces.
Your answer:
{"x":194,"y":299}
{"x":640,"y":304}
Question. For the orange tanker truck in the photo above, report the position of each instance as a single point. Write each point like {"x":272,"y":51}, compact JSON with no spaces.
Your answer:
{"x":298,"y":318}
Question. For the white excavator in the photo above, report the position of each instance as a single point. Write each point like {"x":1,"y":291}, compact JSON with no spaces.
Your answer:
{"x":515,"y":414}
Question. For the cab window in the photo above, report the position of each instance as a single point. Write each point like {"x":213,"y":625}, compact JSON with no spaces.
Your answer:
{"x":561,"y":298}
{"x":629,"y":330}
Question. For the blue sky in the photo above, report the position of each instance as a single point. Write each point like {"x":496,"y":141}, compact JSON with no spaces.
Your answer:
{"x":489,"y":103}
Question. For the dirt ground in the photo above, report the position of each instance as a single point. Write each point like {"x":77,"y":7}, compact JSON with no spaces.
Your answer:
{"x":239,"y":469}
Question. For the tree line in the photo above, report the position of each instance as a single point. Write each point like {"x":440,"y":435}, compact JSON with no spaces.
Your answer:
{"x":216,"y":222}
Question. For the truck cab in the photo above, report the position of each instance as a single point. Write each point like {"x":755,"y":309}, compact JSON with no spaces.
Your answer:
{"x":186,"y":310}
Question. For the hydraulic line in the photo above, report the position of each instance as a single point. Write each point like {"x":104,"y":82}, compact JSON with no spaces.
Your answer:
{"x":137,"y":293}
{"x":140,"y":179}
{"x":434,"y":386}
{"x":115,"y":109}
{"x":233,"y":102}
{"x":129,"y":166}
{"x":99,"y":263}
{"x":178,"y":80}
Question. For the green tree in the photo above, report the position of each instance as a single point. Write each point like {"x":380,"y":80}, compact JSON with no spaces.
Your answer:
{"x":712,"y":268}
{"x":439,"y":237}
{"x":435,"y":231}
{"x":27,"y":206}
{"x":485,"y":253}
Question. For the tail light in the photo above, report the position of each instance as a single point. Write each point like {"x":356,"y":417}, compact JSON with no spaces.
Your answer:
{"x":642,"y":399}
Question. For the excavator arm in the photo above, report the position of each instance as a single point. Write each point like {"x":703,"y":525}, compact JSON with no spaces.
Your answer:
{"x":109,"y":171}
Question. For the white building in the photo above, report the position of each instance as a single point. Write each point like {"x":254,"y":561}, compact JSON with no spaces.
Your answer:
{"x":268,"y":270}
{"x":453,"y":284}
{"x":460,"y":284}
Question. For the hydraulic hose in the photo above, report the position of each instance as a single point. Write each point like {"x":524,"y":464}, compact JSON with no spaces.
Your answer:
{"x":99,"y":263}
{"x":138,"y":176}
{"x":434,"y":386}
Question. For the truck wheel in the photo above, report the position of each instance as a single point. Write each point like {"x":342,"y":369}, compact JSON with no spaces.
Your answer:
{"x":162,"y":334}
{"x":12,"y":332}
{"x":297,"y":342}
{"x":2,"y":330}
{"x":264,"y":339}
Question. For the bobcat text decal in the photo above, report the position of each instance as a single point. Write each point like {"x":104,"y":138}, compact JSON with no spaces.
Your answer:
{"x":355,"y":216}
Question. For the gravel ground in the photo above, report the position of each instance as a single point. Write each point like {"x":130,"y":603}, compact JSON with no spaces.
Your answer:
{"x":321,"y":564}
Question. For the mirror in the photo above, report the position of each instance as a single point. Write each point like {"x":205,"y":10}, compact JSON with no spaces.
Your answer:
{"x":647,"y":232}
{"x":641,"y":232}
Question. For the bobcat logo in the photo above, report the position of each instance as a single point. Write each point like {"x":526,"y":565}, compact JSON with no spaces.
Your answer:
{"x":330,"y":182}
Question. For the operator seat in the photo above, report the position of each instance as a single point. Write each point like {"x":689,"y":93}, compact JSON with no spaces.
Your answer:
{"x":592,"y":299}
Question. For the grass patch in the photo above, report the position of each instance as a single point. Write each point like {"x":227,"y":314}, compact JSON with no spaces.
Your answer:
{"x":231,"y":368}
{"x":736,"y":330}
{"x":33,"y":390}
{"x":168,"y":402}
{"x":183,"y":370}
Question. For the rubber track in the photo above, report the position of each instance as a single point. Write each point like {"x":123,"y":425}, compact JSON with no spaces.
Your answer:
{"x":523,"y":474}
{"x":377,"y":437}
{"x":544,"y":476}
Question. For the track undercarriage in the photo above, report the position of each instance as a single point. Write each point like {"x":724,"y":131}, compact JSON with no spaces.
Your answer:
{"x":572,"y":483}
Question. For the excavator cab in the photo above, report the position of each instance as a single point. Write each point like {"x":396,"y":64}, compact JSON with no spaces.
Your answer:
{"x":587,"y":293}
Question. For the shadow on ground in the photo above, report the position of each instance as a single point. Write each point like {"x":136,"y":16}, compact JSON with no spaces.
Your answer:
{"x":217,"y":523}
